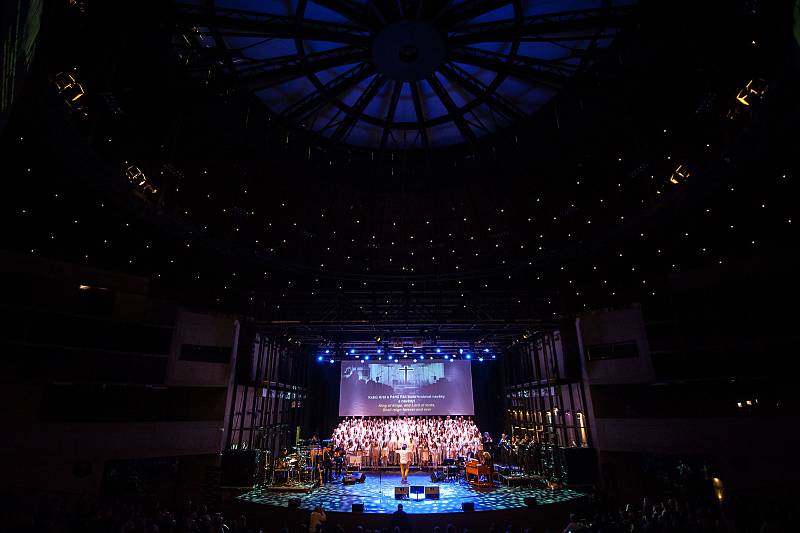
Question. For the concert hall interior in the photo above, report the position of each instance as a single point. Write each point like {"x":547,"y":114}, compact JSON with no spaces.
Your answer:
{"x":517,"y":266}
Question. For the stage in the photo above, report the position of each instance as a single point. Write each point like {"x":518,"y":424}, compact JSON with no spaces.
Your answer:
{"x":377,"y":495}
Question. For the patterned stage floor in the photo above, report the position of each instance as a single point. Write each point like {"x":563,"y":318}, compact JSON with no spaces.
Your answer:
{"x":377,"y":495}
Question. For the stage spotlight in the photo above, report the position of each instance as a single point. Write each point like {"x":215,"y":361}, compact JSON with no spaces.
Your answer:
{"x":327,"y":351}
{"x":679,"y":175}
{"x":395,"y":360}
{"x":461,"y":350}
{"x":137,"y":178}
{"x":319,"y":358}
{"x":331,"y":361}
{"x":469,"y":356}
{"x":380,"y":358}
{"x":438,"y":350}
{"x":493,"y":356}
{"x":480,"y":359}
{"x":380,"y":350}
{"x":486,"y":350}
{"x":366,"y":358}
{"x":413,"y":351}
{"x":352,"y":351}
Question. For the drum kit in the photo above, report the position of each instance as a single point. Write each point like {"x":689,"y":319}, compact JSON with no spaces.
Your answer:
{"x":297,"y":468}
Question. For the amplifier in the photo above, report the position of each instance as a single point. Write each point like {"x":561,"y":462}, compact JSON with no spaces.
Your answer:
{"x":432,"y":492}
{"x":401,"y":493}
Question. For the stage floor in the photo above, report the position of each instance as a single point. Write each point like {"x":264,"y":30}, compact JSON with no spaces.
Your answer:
{"x":377,"y":495}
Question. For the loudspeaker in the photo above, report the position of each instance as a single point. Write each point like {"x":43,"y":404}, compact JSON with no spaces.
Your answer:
{"x":358,"y":507}
{"x":417,"y":490}
{"x":293,"y":503}
{"x":239,"y":468}
{"x":432,"y":492}
{"x":401,"y":493}
{"x":467,"y":506}
{"x":531,"y":501}
{"x":437,"y":476}
{"x":581,"y":466}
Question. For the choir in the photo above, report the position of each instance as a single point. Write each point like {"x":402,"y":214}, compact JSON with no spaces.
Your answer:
{"x":431,"y":440}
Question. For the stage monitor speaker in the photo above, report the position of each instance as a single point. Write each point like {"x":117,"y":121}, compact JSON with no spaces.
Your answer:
{"x":293,"y":503}
{"x":581,"y":465}
{"x":531,"y":501}
{"x":358,"y":507}
{"x":432,"y":492}
{"x":239,"y":468}
{"x":417,"y":490}
{"x":467,"y":507}
{"x":401,"y":493}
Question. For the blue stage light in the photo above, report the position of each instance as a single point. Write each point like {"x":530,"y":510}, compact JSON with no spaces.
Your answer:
{"x":469,"y":356}
{"x":480,"y":359}
{"x":352,"y":351}
{"x":413,"y":351}
{"x":438,"y":350}
{"x":319,"y":358}
{"x":380,"y":351}
{"x":461,"y":350}
{"x":380,"y":358}
{"x":331,"y":361}
{"x":486,"y":350}
{"x":493,"y":356}
{"x":395,"y":360}
{"x":366,"y":358}
{"x":327,"y":351}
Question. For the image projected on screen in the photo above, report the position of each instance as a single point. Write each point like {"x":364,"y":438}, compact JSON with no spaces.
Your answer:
{"x":389,"y":389}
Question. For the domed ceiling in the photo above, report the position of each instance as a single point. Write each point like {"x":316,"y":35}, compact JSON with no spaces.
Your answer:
{"x":403,"y":74}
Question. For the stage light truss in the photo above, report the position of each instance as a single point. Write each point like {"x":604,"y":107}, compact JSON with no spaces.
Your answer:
{"x":138,"y":179}
{"x":72,"y":91}
{"x":400,"y":112}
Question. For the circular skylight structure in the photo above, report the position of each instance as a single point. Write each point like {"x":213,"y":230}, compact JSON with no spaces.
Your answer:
{"x":402,"y":74}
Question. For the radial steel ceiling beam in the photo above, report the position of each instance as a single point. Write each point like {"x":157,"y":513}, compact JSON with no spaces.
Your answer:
{"x":550,"y":73}
{"x":277,"y":70}
{"x":420,"y":114}
{"x":244,"y":22}
{"x":477,"y":88}
{"x":398,"y":87}
{"x":343,"y":130}
{"x":543,"y":27}
{"x":315,"y":100}
{"x":452,"y":108}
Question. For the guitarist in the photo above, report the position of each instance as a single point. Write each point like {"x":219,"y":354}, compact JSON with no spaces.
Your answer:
{"x":327,"y":464}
